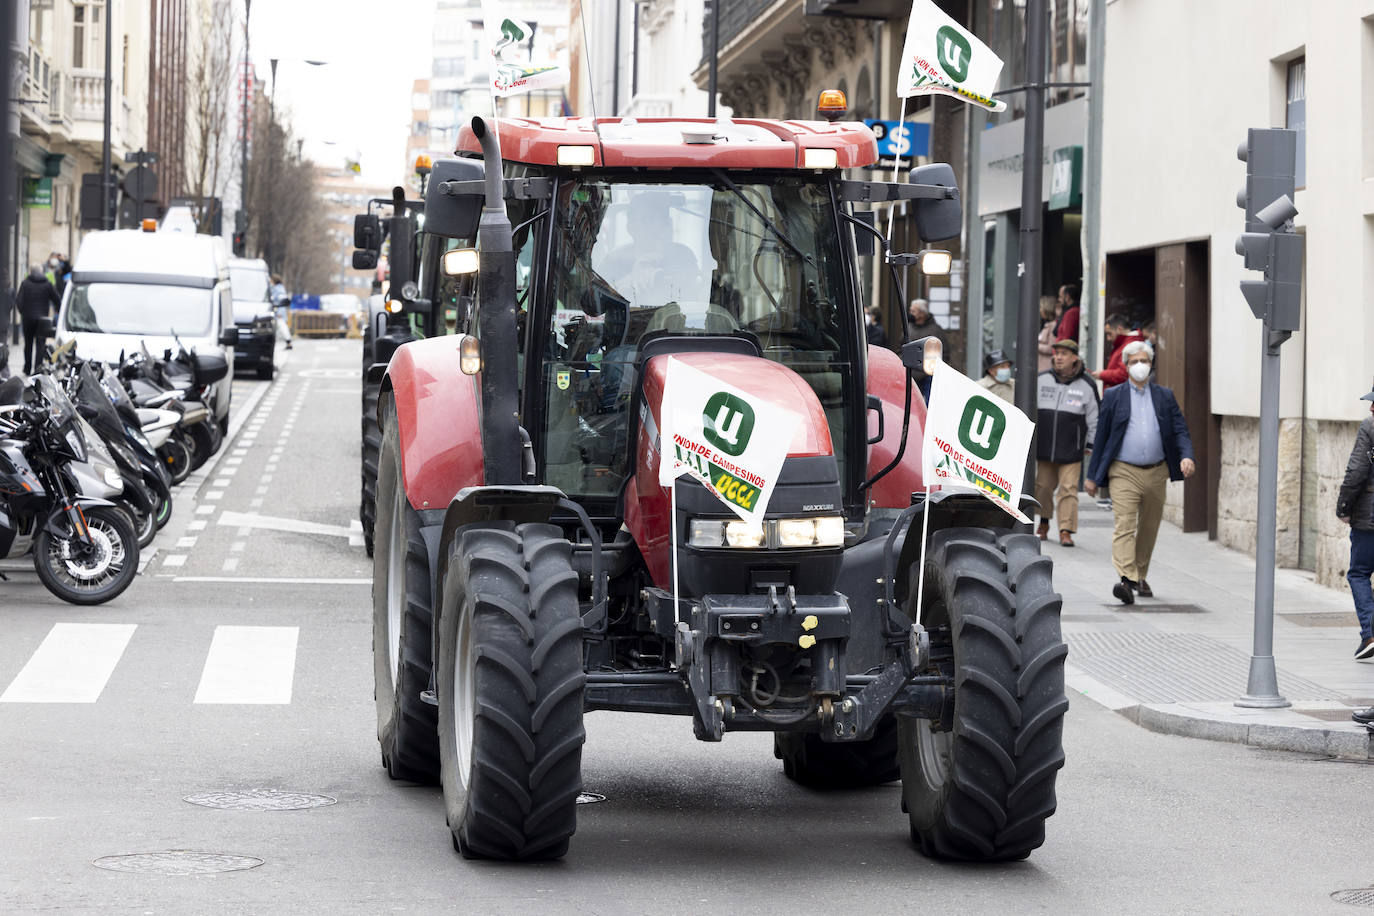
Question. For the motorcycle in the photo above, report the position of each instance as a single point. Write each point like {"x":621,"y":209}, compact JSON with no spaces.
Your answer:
{"x":57,"y":485}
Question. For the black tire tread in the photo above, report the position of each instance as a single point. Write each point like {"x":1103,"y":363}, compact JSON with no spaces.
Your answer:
{"x":120,"y":520}
{"x":521,"y":796}
{"x":1009,"y":710}
{"x":406,"y":725}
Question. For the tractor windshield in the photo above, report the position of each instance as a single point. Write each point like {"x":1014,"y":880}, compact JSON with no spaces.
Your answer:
{"x":640,"y":260}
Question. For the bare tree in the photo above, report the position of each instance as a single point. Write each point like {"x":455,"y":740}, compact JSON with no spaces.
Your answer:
{"x":289,"y":226}
{"x":211,"y":87}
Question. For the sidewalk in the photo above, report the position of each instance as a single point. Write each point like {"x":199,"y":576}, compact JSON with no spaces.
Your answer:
{"x":1177,"y":662}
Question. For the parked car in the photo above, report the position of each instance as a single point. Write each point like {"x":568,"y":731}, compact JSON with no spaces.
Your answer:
{"x":254,"y":320}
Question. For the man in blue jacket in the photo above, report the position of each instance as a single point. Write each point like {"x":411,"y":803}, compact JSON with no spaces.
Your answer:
{"x":1142,"y":443}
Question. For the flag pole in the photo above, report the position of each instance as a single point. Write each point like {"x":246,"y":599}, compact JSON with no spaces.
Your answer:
{"x":921,"y":576}
{"x":896,"y":169}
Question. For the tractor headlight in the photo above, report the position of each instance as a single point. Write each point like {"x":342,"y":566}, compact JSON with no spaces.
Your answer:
{"x":740,"y":533}
{"x":822,"y":531}
{"x":826,"y":531}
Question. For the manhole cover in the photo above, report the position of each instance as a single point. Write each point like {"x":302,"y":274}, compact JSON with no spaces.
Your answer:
{"x":177,"y":862}
{"x":1360,"y":896}
{"x":1319,"y":620}
{"x":590,"y":798}
{"x":260,"y":800}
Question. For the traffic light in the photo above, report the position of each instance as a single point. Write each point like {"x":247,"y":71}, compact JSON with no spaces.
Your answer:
{"x":1270,"y":158}
{"x":1269,"y":242}
{"x":240,"y":245}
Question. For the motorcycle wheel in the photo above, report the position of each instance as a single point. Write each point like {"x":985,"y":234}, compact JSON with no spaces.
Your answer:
{"x":99,"y":576}
{"x":144,"y":523}
{"x":204,"y":446}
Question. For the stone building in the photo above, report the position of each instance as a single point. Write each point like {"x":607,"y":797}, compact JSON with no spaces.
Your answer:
{"x":1170,"y":177}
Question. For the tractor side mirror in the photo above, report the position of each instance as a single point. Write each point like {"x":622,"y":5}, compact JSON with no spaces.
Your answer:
{"x":367,"y":232}
{"x":454,"y":197}
{"x":937,"y":220}
{"x":364,"y":259}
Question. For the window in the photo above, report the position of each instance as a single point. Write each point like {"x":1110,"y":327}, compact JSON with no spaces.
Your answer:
{"x":88,"y":35}
{"x":644,"y":260}
{"x":1295,"y":114}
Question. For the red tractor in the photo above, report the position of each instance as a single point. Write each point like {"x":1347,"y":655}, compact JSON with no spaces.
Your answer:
{"x":530,"y":567}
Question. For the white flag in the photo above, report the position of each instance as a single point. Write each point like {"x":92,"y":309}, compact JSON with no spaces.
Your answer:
{"x":732,"y":441}
{"x":512,"y":70}
{"x":975,"y":440}
{"x":942,"y":57}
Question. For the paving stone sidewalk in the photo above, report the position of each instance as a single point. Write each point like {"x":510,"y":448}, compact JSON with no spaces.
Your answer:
{"x":1177,"y":662}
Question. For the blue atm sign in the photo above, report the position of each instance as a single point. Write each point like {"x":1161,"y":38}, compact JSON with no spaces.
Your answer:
{"x":905,"y":140}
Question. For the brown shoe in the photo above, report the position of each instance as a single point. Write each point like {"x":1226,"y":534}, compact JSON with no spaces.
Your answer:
{"x":1142,"y":589}
{"x":1043,"y":532}
{"x":1065,"y":539}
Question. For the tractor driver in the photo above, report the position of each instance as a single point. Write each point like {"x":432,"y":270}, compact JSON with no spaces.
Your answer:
{"x":650,"y":268}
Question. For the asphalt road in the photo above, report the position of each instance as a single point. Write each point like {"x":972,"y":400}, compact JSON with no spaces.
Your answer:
{"x":203,"y":678}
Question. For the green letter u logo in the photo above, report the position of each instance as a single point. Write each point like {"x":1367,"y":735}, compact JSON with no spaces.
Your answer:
{"x":953,"y":51}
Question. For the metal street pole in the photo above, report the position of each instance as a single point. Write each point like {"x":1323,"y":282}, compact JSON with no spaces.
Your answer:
{"x":1089,"y":300}
{"x":715,"y":59}
{"x":1262,"y":687}
{"x":1032,"y":179}
{"x":107,"y":219}
{"x":8,"y":187}
{"x":241,"y":222}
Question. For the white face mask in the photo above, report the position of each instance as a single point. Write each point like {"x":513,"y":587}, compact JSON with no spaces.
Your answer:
{"x":1139,"y":371}
{"x":1003,"y":374}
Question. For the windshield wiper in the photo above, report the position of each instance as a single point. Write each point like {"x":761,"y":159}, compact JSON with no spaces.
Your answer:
{"x":725,"y":180}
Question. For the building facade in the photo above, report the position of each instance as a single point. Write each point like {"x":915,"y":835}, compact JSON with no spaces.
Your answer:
{"x":636,"y":59}
{"x":1170,"y":176}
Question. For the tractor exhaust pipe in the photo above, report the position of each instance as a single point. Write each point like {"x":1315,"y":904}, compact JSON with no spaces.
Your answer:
{"x":497,"y":316}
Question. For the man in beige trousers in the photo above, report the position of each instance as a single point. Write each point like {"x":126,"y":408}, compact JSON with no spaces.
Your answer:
{"x":1142,"y":443}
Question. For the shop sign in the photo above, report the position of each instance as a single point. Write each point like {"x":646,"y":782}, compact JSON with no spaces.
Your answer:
{"x":37,"y":194}
{"x":1066,"y":178}
{"x":904,"y":139}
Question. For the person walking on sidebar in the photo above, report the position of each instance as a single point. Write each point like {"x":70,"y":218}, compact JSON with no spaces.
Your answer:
{"x":36,"y":299}
{"x":1066,"y":416}
{"x":1355,"y":507}
{"x":1142,"y":443}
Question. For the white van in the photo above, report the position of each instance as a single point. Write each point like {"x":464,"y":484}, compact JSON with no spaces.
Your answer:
{"x":156,"y":287}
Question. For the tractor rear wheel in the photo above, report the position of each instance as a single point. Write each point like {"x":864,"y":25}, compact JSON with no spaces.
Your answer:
{"x":510,"y":692}
{"x":983,"y":789}
{"x":402,"y":622}
{"x":821,"y":764}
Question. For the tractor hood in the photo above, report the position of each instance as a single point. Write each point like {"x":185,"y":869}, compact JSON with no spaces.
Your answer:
{"x":770,"y":382}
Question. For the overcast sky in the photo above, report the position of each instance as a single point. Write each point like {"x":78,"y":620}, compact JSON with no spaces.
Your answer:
{"x":358,"y":103}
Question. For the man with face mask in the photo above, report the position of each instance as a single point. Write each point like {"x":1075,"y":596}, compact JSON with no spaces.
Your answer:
{"x":997,"y":376}
{"x":1142,"y":443}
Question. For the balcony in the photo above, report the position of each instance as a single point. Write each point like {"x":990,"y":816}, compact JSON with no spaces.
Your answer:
{"x":649,"y":106}
{"x":87,"y":110}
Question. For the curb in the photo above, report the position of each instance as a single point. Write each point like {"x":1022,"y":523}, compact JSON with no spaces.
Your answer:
{"x":1357,"y":745}
{"x":1347,"y":741}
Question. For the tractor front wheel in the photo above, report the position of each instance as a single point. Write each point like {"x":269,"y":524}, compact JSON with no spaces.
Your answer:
{"x":510,"y":683}
{"x":983,"y":789}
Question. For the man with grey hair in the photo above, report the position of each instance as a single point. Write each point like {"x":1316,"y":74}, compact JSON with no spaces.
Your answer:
{"x":1142,"y":443}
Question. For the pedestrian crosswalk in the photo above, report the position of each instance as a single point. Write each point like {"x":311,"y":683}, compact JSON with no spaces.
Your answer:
{"x":75,"y":662}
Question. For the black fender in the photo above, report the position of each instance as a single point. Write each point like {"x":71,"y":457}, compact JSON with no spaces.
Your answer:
{"x":947,"y":509}
{"x":56,"y":522}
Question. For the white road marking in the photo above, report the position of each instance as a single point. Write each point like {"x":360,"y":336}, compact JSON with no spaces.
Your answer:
{"x":252,"y":580}
{"x":196,"y":525}
{"x":185,"y":543}
{"x":205,"y":510}
{"x":261,"y":491}
{"x":237,"y":547}
{"x":249,"y":665}
{"x":230,"y":564}
{"x":255,"y":504}
{"x":71,"y":665}
{"x":214,"y":495}
{"x":174,"y":559}
{"x":294,"y":525}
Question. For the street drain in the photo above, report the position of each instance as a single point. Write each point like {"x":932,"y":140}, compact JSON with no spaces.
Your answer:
{"x":177,"y":862}
{"x":1360,"y":896}
{"x":260,"y":800}
{"x":589,"y":798}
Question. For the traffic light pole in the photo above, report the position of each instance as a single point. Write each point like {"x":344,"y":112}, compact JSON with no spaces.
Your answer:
{"x":1262,"y":687}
